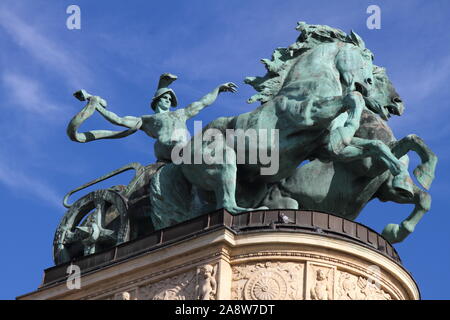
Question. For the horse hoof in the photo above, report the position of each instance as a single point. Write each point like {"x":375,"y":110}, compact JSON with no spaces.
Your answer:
{"x":403,"y":184}
{"x":423,"y":176}
{"x":395,"y":233}
{"x":390,"y":232}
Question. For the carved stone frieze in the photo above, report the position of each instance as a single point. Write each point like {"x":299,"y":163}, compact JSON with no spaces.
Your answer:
{"x":126,"y":295}
{"x":267,"y":281}
{"x":323,"y":269}
{"x":200,"y":283}
{"x":320,"y":282}
{"x":206,"y":288}
{"x":179,"y":287}
{"x":285,"y":281}
{"x":352,"y":287}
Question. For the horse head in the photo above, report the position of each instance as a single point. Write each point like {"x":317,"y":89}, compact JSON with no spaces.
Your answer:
{"x":354,"y":63}
{"x":351,"y":59}
{"x":384,"y":99}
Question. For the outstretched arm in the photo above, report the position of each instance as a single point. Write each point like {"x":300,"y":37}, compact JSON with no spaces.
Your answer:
{"x":128,"y":121}
{"x":97,"y":103}
{"x":194,"y":108}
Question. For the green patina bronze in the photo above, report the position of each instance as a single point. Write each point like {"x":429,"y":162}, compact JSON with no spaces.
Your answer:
{"x":345,"y":187}
{"x":313,"y":94}
{"x":159,"y":125}
{"x":328,"y":104}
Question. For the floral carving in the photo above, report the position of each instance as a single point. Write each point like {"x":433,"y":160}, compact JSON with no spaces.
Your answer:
{"x":194,"y":284}
{"x":351,"y":287}
{"x":266,"y":285}
{"x":179,"y":287}
{"x":268,"y":281}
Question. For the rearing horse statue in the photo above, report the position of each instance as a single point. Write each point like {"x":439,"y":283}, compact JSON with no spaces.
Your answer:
{"x":345,"y":187}
{"x":322,"y":100}
{"x":309,"y":85}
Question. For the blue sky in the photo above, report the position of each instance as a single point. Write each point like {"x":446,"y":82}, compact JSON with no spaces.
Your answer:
{"x":119,"y":53}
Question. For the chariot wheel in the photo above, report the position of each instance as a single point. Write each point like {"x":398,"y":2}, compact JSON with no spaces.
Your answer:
{"x":95,"y":222}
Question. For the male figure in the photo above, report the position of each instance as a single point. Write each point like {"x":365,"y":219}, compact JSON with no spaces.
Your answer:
{"x":321,"y":291}
{"x":207,"y":284}
{"x":159,"y":125}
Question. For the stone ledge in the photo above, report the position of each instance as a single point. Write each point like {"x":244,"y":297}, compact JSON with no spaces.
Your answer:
{"x":224,"y":246}
{"x":258,"y":221}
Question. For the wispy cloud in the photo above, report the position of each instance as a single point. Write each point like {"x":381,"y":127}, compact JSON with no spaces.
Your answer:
{"x":28,"y":94}
{"x":26,"y":184}
{"x":422,"y":87}
{"x":429,"y":77}
{"x":31,"y":63}
{"x":45,"y":51}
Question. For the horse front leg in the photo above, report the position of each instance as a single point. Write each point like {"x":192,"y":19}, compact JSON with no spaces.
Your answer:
{"x":342,"y":136}
{"x":424,"y":172}
{"x":422,"y":200}
{"x":362,"y":148}
{"x":320,"y":113}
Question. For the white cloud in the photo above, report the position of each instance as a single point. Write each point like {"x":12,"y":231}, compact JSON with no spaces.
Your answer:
{"x":426,"y":100}
{"x":42,"y":49}
{"x":24,"y":183}
{"x":429,"y":77}
{"x":28,"y":94}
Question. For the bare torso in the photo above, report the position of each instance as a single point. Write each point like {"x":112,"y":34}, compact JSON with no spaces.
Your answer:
{"x":169,"y":129}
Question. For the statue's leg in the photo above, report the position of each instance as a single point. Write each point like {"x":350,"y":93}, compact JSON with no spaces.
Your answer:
{"x":225,"y":187}
{"x":424,"y":171}
{"x":361,"y":148}
{"x":422,"y":201}
{"x":324,"y":111}
{"x":220,"y":178}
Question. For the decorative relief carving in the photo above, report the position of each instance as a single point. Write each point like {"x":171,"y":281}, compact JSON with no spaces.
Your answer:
{"x":268,"y":281}
{"x":320,"y":282}
{"x":192,"y":285}
{"x":206,"y":288}
{"x":343,"y":290}
{"x":347,"y":288}
{"x":179,"y":287}
{"x":351,"y":287}
{"x":126,"y":295}
{"x":265,"y":280}
{"x":146,"y":278}
{"x":266,"y":285}
{"x":326,"y":259}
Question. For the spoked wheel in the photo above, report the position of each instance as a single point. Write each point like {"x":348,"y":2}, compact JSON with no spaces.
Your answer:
{"x":97,"y":221}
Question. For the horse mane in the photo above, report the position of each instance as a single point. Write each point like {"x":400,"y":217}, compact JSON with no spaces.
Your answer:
{"x":282,"y":59}
{"x":379,"y":73}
